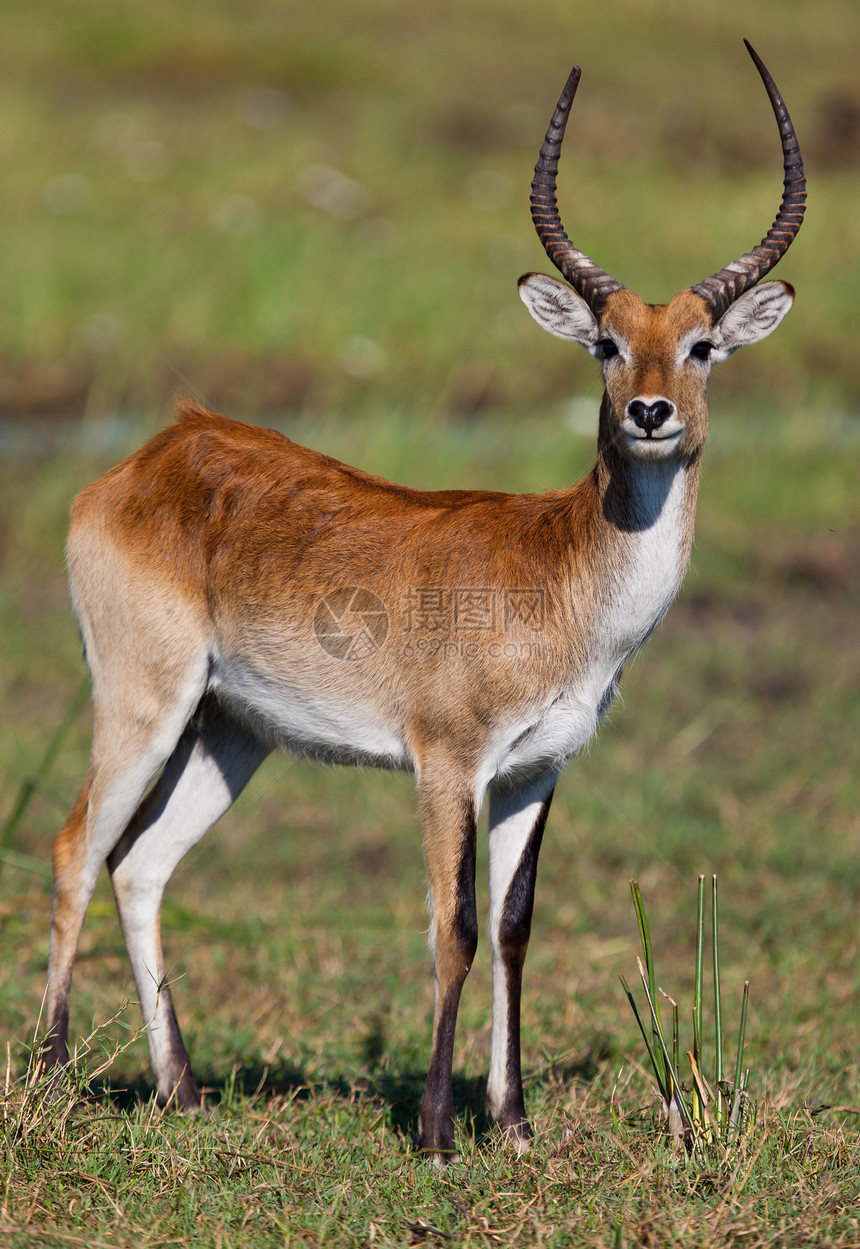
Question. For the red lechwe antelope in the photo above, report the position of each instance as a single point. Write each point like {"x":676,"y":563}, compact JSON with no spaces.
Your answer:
{"x":237,"y":592}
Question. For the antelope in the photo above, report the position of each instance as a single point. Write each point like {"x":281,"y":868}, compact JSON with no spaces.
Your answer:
{"x":237,"y":592}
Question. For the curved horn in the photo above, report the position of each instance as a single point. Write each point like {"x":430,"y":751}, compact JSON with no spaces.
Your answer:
{"x":590,"y":281}
{"x":726,"y":285}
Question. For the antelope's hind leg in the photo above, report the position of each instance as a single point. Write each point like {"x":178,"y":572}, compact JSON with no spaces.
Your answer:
{"x":450,"y":829}
{"x":517,"y":820}
{"x":213,"y":761}
{"x":135,"y":729}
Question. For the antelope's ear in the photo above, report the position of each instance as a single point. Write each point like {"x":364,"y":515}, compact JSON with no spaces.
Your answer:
{"x":558,"y":309}
{"x":752,"y":317}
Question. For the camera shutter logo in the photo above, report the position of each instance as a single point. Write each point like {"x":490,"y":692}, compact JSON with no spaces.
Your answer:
{"x":351,"y":623}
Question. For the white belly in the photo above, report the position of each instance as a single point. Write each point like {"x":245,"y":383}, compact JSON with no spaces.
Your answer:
{"x":308,"y":720}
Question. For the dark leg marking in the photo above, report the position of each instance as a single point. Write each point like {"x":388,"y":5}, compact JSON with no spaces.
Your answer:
{"x":513,"y":938}
{"x":454,"y":951}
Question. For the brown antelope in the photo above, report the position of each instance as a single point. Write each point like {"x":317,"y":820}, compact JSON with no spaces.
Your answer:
{"x":237,"y":592}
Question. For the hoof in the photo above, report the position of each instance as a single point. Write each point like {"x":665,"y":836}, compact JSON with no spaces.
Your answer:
{"x":184,"y":1096}
{"x":51,"y":1075}
{"x":520,"y":1137}
{"x":441,"y":1161}
{"x":516,"y":1133}
{"x":437,"y":1144}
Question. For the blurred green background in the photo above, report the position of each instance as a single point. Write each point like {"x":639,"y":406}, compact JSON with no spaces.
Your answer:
{"x":315,"y":215}
{"x":325,"y":207}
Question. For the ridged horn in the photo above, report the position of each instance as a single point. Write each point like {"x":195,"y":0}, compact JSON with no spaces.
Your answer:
{"x":586,"y":278}
{"x":722,"y":288}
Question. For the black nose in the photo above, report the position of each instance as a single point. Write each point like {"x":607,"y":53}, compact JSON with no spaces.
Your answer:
{"x":650,"y":416}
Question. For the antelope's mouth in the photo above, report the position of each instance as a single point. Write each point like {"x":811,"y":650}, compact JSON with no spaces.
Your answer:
{"x":651,"y":436}
{"x":652,"y":443}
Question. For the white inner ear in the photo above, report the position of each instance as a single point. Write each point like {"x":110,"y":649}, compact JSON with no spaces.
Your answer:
{"x":752,"y":317}
{"x":558,"y":309}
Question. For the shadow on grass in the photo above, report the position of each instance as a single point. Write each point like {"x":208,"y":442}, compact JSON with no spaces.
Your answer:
{"x":399,"y":1091}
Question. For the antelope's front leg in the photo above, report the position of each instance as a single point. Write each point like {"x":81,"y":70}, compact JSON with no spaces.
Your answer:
{"x":517,"y":820}
{"x":450,"y":828}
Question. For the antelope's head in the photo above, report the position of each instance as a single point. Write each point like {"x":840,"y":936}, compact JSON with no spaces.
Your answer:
{"x":656,"y":357}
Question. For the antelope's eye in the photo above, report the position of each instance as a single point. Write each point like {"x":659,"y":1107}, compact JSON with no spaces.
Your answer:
{"x":606,"y":349}
{"x":701,"y":350}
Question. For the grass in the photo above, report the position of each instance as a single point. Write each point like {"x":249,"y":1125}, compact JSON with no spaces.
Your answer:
{"x":392,"y":338}
{"x":708,"y":1114}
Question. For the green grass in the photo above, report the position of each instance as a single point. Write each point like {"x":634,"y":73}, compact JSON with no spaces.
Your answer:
{"x":323,"y":1165}
{"x":296,"y":934}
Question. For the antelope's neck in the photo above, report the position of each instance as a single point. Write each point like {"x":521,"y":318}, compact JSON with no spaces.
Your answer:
{"x":645,"y":518}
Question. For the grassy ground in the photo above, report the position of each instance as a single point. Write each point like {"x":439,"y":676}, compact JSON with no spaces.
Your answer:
{"x":191,"y":231}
